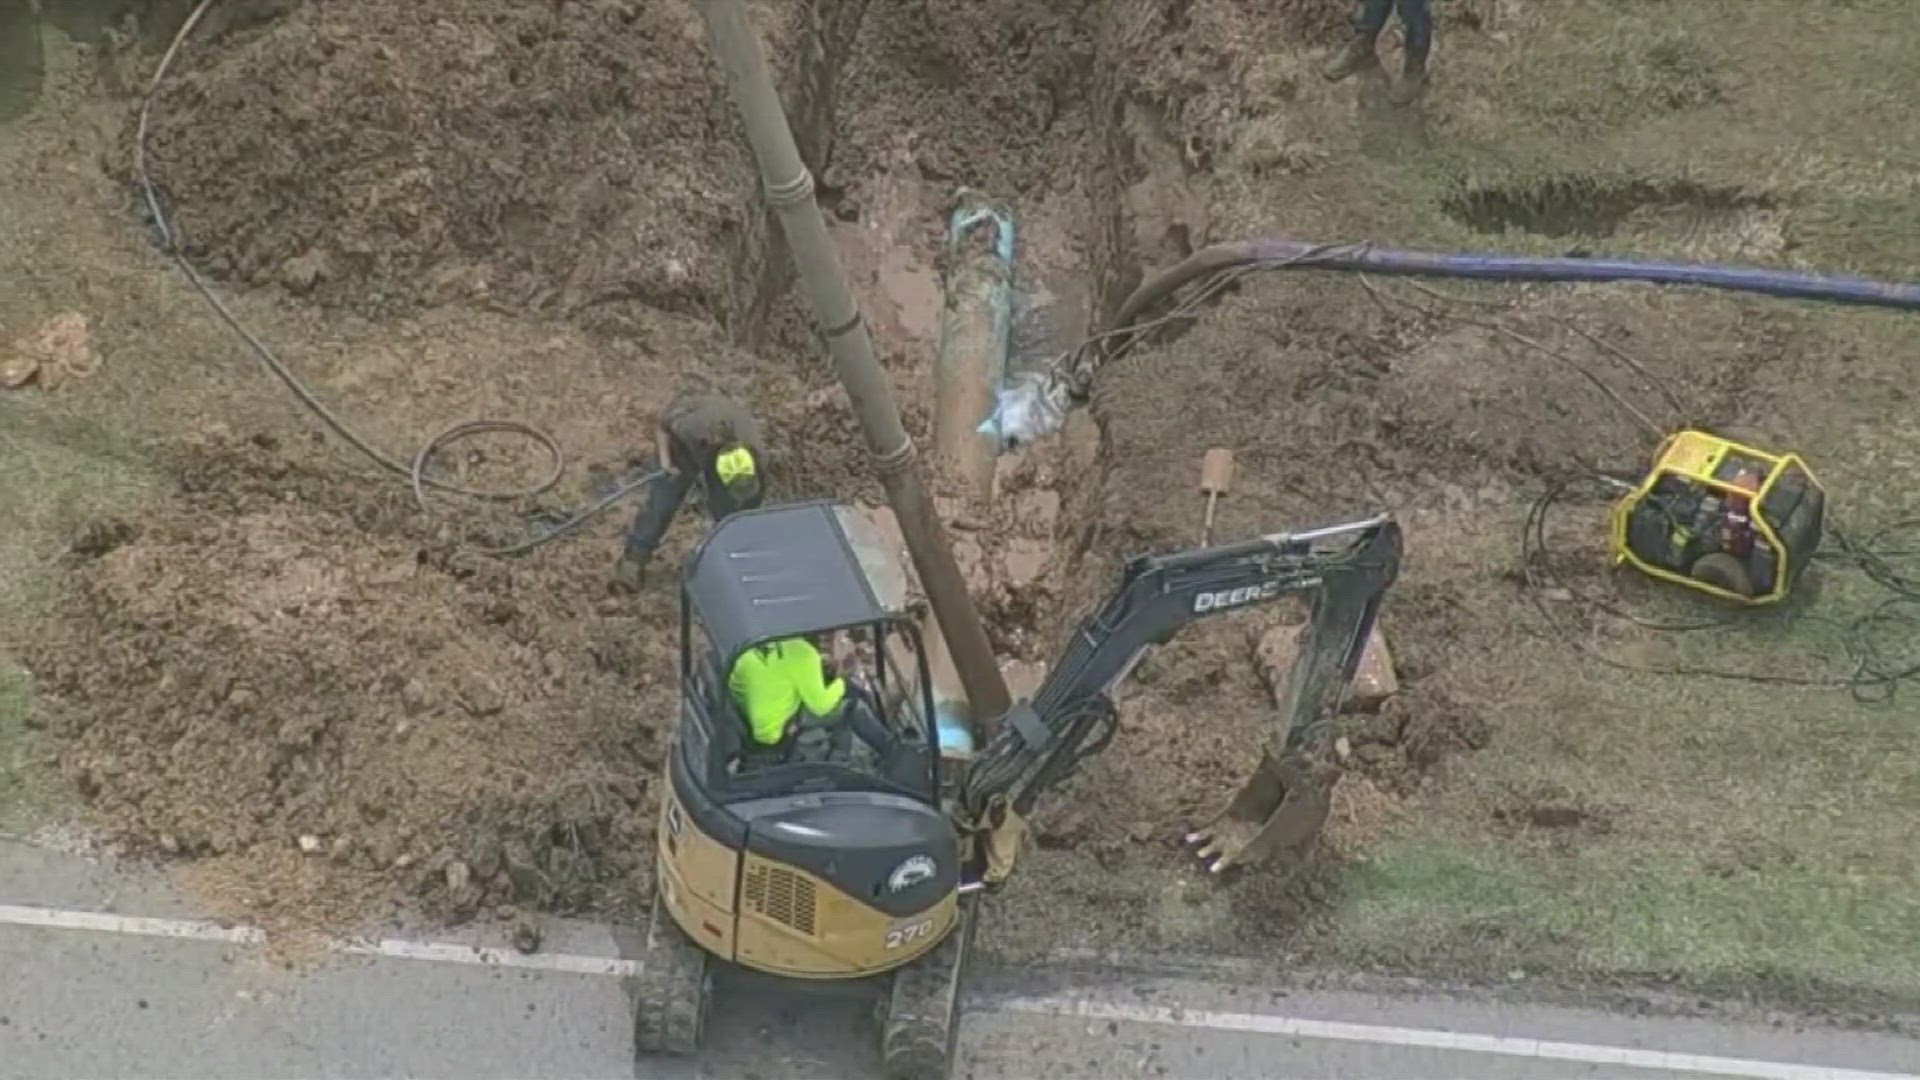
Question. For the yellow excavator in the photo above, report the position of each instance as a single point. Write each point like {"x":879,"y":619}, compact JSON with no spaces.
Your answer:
{"x":854,"y":848}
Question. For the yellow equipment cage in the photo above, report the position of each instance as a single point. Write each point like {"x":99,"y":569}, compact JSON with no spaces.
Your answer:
{"x":1721,"y":517}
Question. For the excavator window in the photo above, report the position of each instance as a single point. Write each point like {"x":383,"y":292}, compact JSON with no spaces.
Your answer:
{"x":887,"y":749}
{"x":817,"y":571}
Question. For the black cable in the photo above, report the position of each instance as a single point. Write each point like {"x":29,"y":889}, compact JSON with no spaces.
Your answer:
{"x":415,"y":472}
{"x":1873,"y":678}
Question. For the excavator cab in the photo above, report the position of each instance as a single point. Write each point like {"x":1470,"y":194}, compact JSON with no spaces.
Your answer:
{"x":825,"y":856}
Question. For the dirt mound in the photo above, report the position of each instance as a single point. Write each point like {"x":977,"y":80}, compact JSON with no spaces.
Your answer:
{"x":381,"y":156}
{"x":273,"y":678}
{"x":989,"y":94}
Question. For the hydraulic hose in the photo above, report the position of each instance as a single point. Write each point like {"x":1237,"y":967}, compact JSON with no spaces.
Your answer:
{"x":1036,"y":406}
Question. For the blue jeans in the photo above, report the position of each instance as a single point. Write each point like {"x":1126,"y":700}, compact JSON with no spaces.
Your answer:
{"x":1416,"y":16}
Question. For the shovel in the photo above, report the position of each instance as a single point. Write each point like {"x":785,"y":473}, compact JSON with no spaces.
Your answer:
{"x":1216,"y":476}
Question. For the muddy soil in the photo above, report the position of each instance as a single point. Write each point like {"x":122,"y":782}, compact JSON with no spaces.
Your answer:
{"x":294,"y":680}
{"x":276,"y":678}
{"x":380,"y":158}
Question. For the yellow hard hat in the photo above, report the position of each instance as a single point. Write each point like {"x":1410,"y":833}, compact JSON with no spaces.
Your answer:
{"x":736,"y":467}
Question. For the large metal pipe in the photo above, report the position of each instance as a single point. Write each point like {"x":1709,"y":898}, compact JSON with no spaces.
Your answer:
{"x":790,"y":193}
{"x":976,"y":323}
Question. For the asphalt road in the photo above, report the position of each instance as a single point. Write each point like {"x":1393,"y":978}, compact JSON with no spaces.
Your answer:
{"x":86,"y":993}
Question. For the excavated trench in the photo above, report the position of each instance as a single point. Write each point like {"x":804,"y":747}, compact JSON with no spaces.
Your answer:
{"x":549,"y":214}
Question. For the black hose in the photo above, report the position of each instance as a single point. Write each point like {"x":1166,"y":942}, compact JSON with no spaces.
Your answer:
{"x":415,"y":471}
{"x":1872,"y":679}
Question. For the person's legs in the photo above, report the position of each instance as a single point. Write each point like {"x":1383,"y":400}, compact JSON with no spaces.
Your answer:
{"x":1369,"y":19}
{"x":1416,"y":18}
{"x":650,"y":522}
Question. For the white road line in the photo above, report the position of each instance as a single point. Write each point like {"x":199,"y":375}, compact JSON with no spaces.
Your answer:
{"x":1058,"y":1005}
{"x":1084,"y":1008}
{"x":394,"y":948}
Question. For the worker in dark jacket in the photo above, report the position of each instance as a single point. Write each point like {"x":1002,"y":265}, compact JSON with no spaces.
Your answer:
{"x":1416,"y":18}
{"x":705,"y":441}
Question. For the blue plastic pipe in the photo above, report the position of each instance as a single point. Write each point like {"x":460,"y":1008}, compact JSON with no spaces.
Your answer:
{"x":1365,"y":257}
{"x":1036,"y":406}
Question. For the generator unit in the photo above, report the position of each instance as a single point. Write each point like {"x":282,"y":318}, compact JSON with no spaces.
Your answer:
{"x":1722,"y":517}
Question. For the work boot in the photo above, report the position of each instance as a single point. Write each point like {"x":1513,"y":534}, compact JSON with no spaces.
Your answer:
{"x":629,"y":575}
{"x":1357,"y":54}
{"x":1413,"y":81}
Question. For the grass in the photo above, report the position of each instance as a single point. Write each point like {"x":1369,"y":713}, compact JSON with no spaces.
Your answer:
{"x":1711,"y":834}
{"x":61,"y":472}
{"x":81,"y":453}
{"x":28,"y":793}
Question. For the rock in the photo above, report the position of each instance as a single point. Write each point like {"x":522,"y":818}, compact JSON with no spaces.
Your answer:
{"x":1373,"y":683}
{"x":528,"y":881}
{"x":415,"y":698}
{"x":297,"y":733}
{"x":169,"y":844}
{"x":481,"y":699}
{"x":1023,"y":563}
{"x":458,"y":875}
{"x":1342,"y":750}
{"x":342,"y":849}
{"x":1065,"y":827}
{"x":1376,"y":757}
{"x":383,"y":848}
{"x":309,"y":844}
{"x":300,"y":274}
{"x":17,"y":369}
{"x":1387,"y":725}
{"x":242,"y":700}
{"x":525,"y":934}
{"x":626,"y":789}
{"x":403,"y":862}
{"x":486,"y":863}
{"x":829,"y":397}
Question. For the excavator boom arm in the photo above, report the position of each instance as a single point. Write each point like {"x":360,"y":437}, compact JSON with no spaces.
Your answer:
{"x":1345,"y":568}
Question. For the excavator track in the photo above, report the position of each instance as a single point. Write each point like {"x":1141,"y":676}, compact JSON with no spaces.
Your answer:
{"x":922,"y":1012}
{"x":673,"y":989}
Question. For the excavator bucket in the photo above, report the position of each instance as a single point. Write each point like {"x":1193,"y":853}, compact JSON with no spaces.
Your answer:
{"x":1276,"y":814}
{"x":1282,"y":806}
